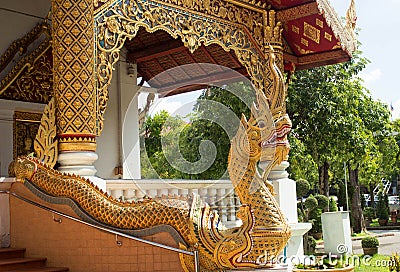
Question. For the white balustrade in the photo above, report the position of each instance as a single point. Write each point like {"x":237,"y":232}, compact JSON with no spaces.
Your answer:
{"x":219,"y":194}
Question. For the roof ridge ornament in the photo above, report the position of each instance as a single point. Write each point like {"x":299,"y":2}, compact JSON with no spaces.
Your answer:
{"x":351,"y":16}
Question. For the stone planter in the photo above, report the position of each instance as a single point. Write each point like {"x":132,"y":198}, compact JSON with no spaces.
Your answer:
{"x":370,"y":250}
{"x":344,"y":269}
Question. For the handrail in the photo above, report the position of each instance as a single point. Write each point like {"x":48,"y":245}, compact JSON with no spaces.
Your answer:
{"x":191,"y":253}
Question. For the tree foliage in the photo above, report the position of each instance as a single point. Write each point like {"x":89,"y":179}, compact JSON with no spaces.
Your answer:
{"x":336,"y":121}
{"x":176,"y":149}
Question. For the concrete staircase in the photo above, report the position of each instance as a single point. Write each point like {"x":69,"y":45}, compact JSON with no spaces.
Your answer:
{"x":13,"y":259}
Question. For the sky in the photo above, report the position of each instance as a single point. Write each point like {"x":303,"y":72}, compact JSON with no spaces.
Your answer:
{"x":379,"y":23}
{"x":379,"y":35}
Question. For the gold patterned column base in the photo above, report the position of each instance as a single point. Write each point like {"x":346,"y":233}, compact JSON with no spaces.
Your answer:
{"x":76,"y":142}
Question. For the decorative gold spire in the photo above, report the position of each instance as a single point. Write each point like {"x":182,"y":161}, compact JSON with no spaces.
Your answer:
{"x":351,"y":16}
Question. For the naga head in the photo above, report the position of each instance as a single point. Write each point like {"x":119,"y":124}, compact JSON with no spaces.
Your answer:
{"x":23,"y":168}
{"x":261,"y":131}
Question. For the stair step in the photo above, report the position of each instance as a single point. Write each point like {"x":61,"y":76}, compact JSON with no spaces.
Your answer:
{"x":40,"y":269}
{"x":18,"y":263}
{"x":8,"y":253}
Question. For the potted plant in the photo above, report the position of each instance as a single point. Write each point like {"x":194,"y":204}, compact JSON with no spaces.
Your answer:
{"x":382,"y":209}
{"x":370,"y":245}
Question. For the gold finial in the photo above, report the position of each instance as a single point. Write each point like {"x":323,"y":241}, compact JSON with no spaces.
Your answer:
{"x":351,"y":16}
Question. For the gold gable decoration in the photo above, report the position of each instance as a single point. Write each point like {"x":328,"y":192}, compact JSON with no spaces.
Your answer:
{"x":31,"y":78}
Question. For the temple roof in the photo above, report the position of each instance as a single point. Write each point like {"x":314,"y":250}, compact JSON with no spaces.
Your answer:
{"x":313,"y":33}
{"x":313,"y":36}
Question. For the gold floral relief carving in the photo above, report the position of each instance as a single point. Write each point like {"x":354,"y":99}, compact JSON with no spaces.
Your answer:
{"x":30,"y":78}
{"x":20,"y":46}
{"x":33,"y":82}
{"x":73,"y":54}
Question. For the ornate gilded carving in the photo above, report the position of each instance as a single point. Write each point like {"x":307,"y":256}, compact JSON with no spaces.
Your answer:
{"x":344,"y":35}
{"x":33,"y":83}
{"x":20,"y":46}
{"x":73,"y":54}
{"x":123,"y":19}
{"x":45,"y":143}
{"x":30,"y":79}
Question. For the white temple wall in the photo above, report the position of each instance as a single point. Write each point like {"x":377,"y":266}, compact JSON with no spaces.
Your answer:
{"x":112,"y":150}
{"x":108,"y":142}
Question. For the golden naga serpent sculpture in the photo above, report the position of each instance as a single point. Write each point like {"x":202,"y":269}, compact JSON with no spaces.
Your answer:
{"x":255,"y":244}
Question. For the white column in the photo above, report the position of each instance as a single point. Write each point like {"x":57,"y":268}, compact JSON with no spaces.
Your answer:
{"x":81,"y":163}
{"x":129,"y":118}
{"x":285,"y":190}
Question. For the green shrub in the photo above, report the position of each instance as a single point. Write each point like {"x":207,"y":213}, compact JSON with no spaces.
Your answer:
{"x":300,"y":215}
{"x":311,"y":244}
{"x":323,"y":201}
{"x":333,"y":205}
{"x":302,"y":187}
{"x":369,"y":213}
{"x":382,"y":210}
{"x":369,"y":241}
{"x":311,"y":203}
{"x":315,"y":219}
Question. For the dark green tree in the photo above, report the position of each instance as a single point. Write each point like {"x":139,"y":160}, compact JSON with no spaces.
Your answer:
{"x":337,"y":121}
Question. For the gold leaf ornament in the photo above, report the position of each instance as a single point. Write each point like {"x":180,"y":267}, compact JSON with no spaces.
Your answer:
{"x":45,"y":144}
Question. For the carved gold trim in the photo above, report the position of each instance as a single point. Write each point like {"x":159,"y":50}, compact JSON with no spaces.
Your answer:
{"x":346,"y":36}
{"x":123,"y":19}
{"x":46,"y":146}
{"x":76,"y":143}
{"x":73,"y":56}
{"x":30,"y":79}
{"x":20,"y":45}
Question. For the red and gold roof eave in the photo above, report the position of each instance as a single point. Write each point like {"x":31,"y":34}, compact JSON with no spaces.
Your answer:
{"x":314,"y":35}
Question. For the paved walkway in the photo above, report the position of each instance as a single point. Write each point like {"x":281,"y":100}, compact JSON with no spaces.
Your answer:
{"x":388,"y":244}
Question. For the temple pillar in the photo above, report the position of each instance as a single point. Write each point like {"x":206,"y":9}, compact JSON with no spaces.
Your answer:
{"x":129,"y":113}
{"x":74,"y":89}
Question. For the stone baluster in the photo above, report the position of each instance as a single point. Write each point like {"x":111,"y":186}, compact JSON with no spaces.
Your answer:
{"x":231,"y":206}
{"x":221,"y":203}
